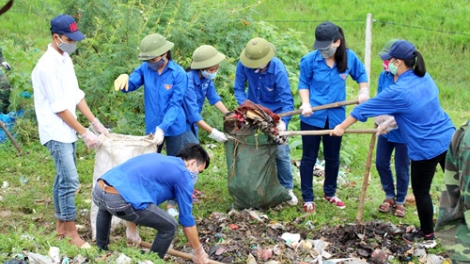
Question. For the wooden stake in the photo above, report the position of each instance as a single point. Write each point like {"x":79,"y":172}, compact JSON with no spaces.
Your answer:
{"x":320,"y":107}
{"x":177,"y":253}
{"x":11,"y":138}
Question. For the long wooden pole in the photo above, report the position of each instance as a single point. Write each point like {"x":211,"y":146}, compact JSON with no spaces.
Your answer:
{"x":177,"y":253}
{"x":365,"y":181}
{"x":321,"y":107}
{"x":325,"y":132}
{"x":2,"y":125}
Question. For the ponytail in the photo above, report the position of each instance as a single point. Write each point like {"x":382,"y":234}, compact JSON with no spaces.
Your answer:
{"x":341,"y":56}
{"x":418,"y":63}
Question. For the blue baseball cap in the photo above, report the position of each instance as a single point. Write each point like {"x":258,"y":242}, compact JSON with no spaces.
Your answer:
{"x":325,"y":34}
{"x":66,"y":25}
{"x":401,"y":49}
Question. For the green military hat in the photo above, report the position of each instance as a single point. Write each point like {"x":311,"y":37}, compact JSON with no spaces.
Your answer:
{"x":388,"y":46}
{"x":257,"y":52}
{"x":205,"y":57}
{"x":154,"y":45}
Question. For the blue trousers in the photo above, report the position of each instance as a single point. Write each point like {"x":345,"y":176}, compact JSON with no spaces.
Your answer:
{"x":402,"y":168}
{"x":283,"y":165}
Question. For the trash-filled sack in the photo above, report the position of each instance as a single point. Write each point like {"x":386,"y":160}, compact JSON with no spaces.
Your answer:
{"x":251,"y":157}
{"x":113,"y":151}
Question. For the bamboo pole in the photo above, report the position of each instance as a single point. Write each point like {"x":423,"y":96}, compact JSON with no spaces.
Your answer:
{"x":177,"y":253}
{"x":320,"y":107}
{"x":17,"y":146}
{"x":326,"y":132}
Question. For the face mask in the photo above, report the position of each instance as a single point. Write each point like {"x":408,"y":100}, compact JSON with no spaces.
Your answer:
{"x":261,"y":68}
{"x":385,"y":65}
{"x":194,"y":173}
{"x":392,"y":68}
{"x":209,"y":76}
{"x":66,"y":47}
{"x":155,"y":66}
{"x":328,"y":52}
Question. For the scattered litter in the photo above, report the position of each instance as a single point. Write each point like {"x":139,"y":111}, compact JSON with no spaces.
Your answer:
{"x":5,"y":185}
{"x":24,"y":179}
{"x":54,"y":254}
{"x":123,"y":259}
{"x":38,"y":258}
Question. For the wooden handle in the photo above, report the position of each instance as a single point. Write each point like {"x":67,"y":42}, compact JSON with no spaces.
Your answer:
{"x":11,"y":138}
{"x":320,"y":107}
{"x":177,"y":253}
{"x":325,"y":132}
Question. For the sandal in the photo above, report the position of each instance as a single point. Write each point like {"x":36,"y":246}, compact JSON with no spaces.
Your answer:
{"x":400,"y":210}
{"x":387,"y":205}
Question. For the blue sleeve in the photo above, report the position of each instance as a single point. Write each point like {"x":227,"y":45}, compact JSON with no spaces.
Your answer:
{"x":239,"y":86}
{"x":176,"y":100}
{"x":183,"y":193}
{"x":136,"y":80}
{"x":306,"y":73}
{"x":381,"y":82}
{"x":382,"y":104}
{"x":190,"y":103}
{"x":357,"y":69}
{"x":285,"y":94}
{"x":212,"y":95}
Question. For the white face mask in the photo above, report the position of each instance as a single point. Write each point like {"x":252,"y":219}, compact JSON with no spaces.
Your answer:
{"x":66,"y":47}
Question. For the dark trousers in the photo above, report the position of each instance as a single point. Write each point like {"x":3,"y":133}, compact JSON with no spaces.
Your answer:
{"x":422,"y":173}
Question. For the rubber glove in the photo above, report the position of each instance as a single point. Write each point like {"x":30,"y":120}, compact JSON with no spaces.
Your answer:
{"x":6,"y":65}
{"x":133,"y":238}
{"x":306,"y":109}
{"x":380,"y":119}
{"x":363,"y":95}
{"x":387,"y":126}
{"x":99,"y":128}
{"x":172,"y":211}
{"x":200,"y":256}
{"x":90,"y":139}
{"x":218,"y":136}
{"x":159,"y":136}
{"x":121,"y":82}
{"x":281,"y":126}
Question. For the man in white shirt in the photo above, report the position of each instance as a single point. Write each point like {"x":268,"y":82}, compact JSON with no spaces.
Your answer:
{"x":56,"y":98}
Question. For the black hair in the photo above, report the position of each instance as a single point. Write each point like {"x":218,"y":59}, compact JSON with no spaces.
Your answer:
{"x":418,"y":64}
{"x":341,"y":56}
{"x":194,"y":151}
{"x":168,"y":55}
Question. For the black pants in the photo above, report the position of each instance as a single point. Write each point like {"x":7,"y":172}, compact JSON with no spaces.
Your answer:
{"x":422,"y":173}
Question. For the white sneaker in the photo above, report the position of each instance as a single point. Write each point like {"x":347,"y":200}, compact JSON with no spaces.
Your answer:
{"x":293,"y":201}
{"x":172,"y":211}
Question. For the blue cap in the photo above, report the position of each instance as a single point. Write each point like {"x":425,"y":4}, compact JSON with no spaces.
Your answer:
{"x":325,"y":34}
{"x":401,"y":49}
{"x":66,"y":25}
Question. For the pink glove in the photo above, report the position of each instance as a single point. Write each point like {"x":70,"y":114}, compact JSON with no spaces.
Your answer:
{"x":99,"y":128}
{"x":91,"y":140}
{"x":200,"y":256}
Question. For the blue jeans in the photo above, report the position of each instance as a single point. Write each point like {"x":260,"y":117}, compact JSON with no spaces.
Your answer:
{"x":152,"y":216}
{"x":331,"y":149}
{"x":66,"y":179}
{"x":402,"y":168}
{"x":283,"y":164}
{"x":175,"y":143}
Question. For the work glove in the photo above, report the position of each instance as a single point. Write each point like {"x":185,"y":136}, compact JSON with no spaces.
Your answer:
{"x":306,"y":109}
{"x":386,"y":126}
{"x":281,"y":126}
{"x":90,"y":139}
{"x":172,"y":211}
{"x":121,"y":82}
{"x":200,"y":256}
{"x":133,"y":238}
{"x":99,"y":128}
{"x":363,"y":95}
{"x":218,"y":136}
{"x":6,"y":65}
{"x":159,"y":136}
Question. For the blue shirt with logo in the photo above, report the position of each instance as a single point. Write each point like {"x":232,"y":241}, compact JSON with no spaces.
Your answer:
{"x":385,"y":80}
{"x":163,"y":97}
{"x":270,"y":89}
{"x":198,"y":90}
{"x":413,"y":101}
{"x":153,"y":179}
{"x":327,"y":85}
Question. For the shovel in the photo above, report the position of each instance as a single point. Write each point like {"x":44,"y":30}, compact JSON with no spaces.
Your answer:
{"x":177,"y":253}
{"x":325,"y":132}
{"x":2,"y":125}
{"x":320,"y":107}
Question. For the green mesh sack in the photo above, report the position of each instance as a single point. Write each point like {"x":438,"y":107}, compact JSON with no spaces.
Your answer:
{"x":252,"y":173}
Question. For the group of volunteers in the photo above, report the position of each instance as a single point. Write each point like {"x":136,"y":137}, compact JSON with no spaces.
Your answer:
{"x":407,"y":99}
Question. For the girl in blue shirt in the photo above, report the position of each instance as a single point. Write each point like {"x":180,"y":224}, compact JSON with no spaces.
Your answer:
{"x":323,"y":75}
{"x":425,"y":127}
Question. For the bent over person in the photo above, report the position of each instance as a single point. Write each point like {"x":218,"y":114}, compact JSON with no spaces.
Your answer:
{"x":133,"y":190}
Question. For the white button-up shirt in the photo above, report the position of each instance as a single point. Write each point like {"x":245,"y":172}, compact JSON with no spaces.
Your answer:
{"x":55,"y":90}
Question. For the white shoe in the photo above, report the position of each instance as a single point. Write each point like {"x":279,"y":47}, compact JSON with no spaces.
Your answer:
{"x":293,"y":201}
{"x":172,"y":211}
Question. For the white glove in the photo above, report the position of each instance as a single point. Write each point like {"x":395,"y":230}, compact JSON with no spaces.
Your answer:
{"x":133,"y":238}
{"x":200,"y":256}
{"x":121,"y":82}
{"x":6,"y":65}
{"x":306,"y":109}
{"x":99,"y":128}
{"x":159,"y":136}
{"x":172,"y":211}
{"x":90,"y":139}
{"x":363,"y":95}
{"x":218,"y":136}
{"x":281,"y":126}
{"x":386,"y":126}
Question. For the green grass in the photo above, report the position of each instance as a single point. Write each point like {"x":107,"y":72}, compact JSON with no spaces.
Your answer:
{"x":25,"y":34}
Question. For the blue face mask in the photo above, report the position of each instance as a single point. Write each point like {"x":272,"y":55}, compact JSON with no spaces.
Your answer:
{"x":194,"y":175}
{"x":155,"y":66}
{"x":210,"y":76}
